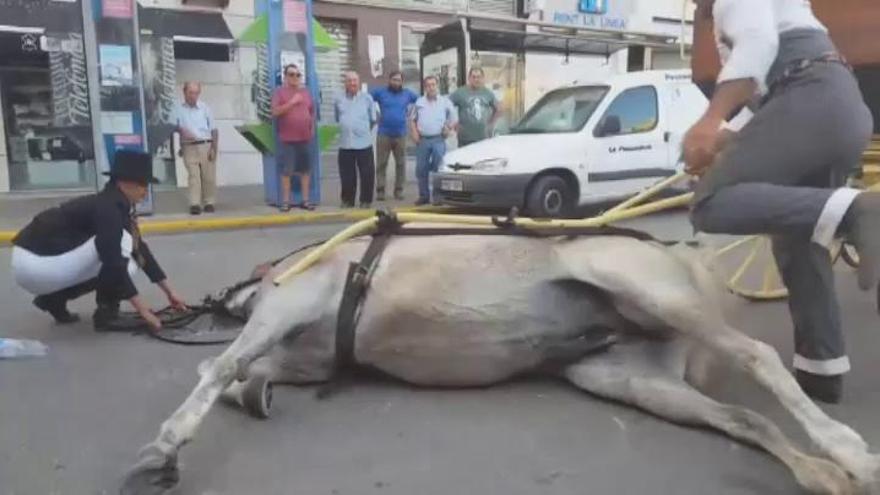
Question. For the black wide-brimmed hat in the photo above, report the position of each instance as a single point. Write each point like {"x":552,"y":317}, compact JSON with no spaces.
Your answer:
{"x":135,"y":166}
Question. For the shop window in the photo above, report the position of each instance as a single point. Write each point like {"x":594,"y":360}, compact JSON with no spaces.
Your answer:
{"x":636,"y":110}
{"x":411,"y":37}
{"x":45,"y":111}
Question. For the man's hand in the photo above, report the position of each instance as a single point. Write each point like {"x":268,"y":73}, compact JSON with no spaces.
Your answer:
{"x":700,"y":146}
{"x":212,"y":154}
{"x":186,"y":135}
{"x":176,"y":301}
{"x":174,"y":298}
{"x":152,"y":320}
{"x":416,"y":137}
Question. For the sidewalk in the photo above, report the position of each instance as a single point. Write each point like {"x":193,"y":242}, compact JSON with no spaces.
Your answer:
{"x":237,"y":207}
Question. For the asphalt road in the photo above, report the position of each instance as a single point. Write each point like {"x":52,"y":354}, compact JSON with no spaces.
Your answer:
{"x":72,"y":422}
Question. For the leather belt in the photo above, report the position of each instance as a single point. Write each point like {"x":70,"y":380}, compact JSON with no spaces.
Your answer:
{"x":797,"y":67}
{"x":203,"y":141}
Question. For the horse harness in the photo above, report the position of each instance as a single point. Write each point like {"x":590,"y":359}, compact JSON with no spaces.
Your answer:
{"x":360,"y":273}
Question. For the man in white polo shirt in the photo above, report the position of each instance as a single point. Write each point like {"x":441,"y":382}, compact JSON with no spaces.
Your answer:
{"x":198,"y":142}
{"x":779,"y":166}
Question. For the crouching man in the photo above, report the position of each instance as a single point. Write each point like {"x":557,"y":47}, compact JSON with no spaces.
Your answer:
{"x":89,"y":244}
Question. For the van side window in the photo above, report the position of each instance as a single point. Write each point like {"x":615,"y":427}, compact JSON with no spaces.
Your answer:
{"x":635,"y":109}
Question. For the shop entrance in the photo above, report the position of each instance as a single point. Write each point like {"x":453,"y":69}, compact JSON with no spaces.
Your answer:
{"x":44,"y":106}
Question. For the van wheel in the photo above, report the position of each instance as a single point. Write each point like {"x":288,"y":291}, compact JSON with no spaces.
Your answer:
{"x":549,"y":196}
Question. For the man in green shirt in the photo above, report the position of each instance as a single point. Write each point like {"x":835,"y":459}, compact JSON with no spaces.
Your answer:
{"x":478,"y":109}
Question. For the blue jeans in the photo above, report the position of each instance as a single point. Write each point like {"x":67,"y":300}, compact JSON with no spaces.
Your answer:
{"x":429,"y":155}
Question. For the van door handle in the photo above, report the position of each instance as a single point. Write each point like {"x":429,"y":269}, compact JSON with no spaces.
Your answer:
{"x":667,"y":136}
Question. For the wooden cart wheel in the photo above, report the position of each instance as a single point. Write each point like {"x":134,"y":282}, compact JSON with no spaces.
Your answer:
{"x":850,"y":255}
{"x":749,"y":270}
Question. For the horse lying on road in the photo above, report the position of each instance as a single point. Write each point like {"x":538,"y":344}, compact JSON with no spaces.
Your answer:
{"x":620,"y":317}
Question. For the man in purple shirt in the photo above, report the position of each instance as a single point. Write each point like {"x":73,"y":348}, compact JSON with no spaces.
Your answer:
{"x":294,"y":110}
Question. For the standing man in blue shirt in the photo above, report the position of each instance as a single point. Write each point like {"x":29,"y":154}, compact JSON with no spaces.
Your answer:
{"x":433,"y":118}
{"x":356,"y":114}
{"x":394,"y":102}
{"x":198,"y":146}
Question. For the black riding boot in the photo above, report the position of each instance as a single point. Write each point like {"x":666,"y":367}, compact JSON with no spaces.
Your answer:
{"x":105,"y":314}
{"x":827,"y":389}
{"x":57,"y":308}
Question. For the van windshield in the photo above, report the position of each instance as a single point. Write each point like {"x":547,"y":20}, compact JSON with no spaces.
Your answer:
{"x":562,"y":110}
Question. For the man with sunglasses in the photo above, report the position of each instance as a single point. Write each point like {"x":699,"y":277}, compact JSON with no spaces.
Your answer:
{"x":294,"y":110}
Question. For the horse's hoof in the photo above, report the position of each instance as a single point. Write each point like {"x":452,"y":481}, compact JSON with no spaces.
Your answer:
{"x":823,"y":477}
{"x":154,"y":474}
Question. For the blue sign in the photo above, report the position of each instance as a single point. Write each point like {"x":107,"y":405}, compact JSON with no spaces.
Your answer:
{"x":593,"y":6}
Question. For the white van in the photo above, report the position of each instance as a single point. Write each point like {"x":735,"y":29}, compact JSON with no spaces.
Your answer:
{"x":578,"y":145}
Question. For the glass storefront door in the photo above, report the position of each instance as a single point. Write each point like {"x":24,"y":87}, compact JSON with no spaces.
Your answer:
{"x":45,"y":111}
{"x":42,"y":155}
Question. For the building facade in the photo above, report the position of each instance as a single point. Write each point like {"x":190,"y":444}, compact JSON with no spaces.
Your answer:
{"x":46,"y":141}
{"x":378,"y":36}
{"x":45,"y":114}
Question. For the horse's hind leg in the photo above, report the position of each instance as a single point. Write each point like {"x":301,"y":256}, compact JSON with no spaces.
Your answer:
{"x":654,"y":287}
{"x":648,"y":375}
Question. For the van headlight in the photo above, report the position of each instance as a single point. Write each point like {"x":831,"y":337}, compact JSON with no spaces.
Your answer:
{"x":490,"y":165}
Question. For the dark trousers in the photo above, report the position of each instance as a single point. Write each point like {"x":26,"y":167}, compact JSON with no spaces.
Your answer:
{"x":385,"y":147}
{"x":58,"y":299}
{"x":775,"y":178}
{"x":354,"y":164}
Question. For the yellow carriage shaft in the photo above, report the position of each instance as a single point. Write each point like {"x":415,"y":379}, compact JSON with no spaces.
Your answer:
{"x":369,"y":226}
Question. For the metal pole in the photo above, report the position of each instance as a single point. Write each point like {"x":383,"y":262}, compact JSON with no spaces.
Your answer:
{"x":90,"y":41}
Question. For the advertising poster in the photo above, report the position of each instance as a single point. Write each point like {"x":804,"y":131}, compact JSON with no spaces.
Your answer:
{"x":120,"y":9}
{"x":295,"y":16}
{"x":116,"y":66}
{"x":376,"y":49}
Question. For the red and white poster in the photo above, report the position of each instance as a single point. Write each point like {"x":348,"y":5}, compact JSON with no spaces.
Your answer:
{"x":295,"y":16}
{"x":121,"y":9}
{"x":127,"y":140}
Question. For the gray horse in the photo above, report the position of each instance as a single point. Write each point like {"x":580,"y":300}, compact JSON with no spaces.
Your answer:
{"x":474,"y":310}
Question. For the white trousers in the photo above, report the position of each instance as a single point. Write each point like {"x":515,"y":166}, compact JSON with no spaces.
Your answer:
{"x":42,"y":275}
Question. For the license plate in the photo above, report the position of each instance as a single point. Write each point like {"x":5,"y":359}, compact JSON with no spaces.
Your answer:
{"x":451,"y":185}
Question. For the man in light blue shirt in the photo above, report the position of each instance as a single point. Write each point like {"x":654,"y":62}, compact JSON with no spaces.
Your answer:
{"x":433,"y":118}
{"x":355,"y":112}
{"x":198,"y":146}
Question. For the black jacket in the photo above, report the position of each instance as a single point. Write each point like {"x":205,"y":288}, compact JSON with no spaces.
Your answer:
{"x":102,"y":216}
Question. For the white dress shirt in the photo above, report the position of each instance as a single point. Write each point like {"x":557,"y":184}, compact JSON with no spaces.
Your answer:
{"x":747,"y":33}
{"x":198,"y":120}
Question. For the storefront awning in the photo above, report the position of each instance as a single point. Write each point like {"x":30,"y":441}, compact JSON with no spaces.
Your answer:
{"x":185,"y":26}
{"x":38,"y":16}
{"x":197,"y":35}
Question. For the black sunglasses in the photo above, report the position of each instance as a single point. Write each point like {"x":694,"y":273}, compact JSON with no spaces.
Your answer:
{"x":293,"y":74}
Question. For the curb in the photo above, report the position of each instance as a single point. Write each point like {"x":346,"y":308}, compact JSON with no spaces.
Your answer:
{"x":250,"y":222}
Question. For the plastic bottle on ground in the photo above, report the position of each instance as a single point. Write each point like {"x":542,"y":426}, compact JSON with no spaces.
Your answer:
{"x":19,"y":348}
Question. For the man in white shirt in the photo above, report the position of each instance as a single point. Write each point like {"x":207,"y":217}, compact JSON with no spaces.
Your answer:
{"x":775,"y":172}
{"x":198,"y":143}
